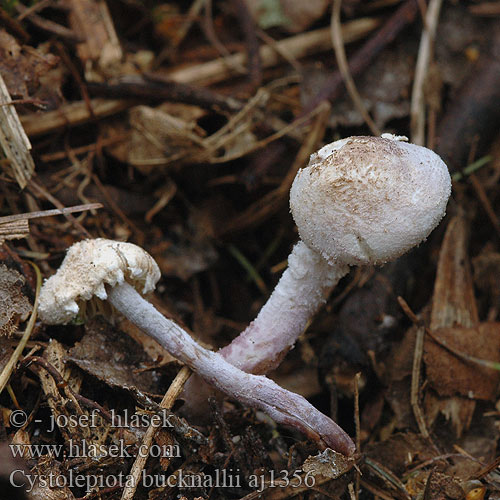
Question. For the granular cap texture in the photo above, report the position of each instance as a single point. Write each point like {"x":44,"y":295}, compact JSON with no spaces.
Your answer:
{"x":89,"y":265}
{"x":368,"y":200}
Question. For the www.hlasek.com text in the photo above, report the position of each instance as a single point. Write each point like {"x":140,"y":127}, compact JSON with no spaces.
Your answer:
{"x":84,"y":449}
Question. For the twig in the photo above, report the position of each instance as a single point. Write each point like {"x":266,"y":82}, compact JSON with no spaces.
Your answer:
{"x":485,"y":9}
{"x":167,"y":402}
{"x":354,"y":492}
{"x":415,"y":381}
{"x":50,"y":213}
{"x":493,"y":365}
{"x":13,"y":25}
{"x":376,"y":491}
{"x":297,"y":46}
{"x":249,"y":30}
{"x":62,"y":384}
{"x":427,"y":487}
{"x":37,"y":7}
{"x":486,"y":469}
{"x":209,"y":30}
{"x":159,"y":89}
{"x":181,"y":32}
{"x":61,"y":155}
{"x":41,"y":190}
{"x":211,"y":72}
{"x":273,"y":200}
{"x":287,"y":56}
{"x":71,"y":114}
{"x":485,"y":202}
{"x":417,"y":362}
{"x":387,"y":476}
{"x":356,"y":411}
{"x":259,"y":144}
{"x":405,"y":15}
{"x":338,"y":46}
{"x":36,"y":102}
{"x":423,"y":465}
{"x":417,"y":108}
{"x":63,"y":53}
{"x":114,"y":206}
{"x":13,"y":139}
{"x":49,"y":26}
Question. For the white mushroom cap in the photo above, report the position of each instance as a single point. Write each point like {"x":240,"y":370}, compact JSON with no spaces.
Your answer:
{"x":368,"y":200}
{"x":87,"y":267}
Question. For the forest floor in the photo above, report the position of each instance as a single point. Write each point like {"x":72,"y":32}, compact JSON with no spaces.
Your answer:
{"x":179,"y":126}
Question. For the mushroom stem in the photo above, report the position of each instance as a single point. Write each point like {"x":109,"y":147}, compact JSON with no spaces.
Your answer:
{"x":253,"y":390}
{"x":303,"y":288}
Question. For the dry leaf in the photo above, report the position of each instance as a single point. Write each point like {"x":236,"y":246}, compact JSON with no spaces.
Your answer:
{"x":451,"y":375}
{"x":14,"y":305}
{"x":112,"y":356}
{"x":22,"y":68}
{"x":328,"y":463}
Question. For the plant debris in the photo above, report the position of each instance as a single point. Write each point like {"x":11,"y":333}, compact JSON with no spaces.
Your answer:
{"x":180,"y":126}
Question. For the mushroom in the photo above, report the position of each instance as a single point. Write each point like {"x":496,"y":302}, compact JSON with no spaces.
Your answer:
{"x":118,"y":273}
{"x":360,"y":201}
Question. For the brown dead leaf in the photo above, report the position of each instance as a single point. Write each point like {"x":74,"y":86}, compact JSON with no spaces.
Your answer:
{"x":435,"y":486}
{"x":160,"y":137}
{"x":164,"y":440}
{"x":450,"y":375}
{"x":328,"y":463}
{"x":456,"y":409}
{"x":63,"y":405}
{"x":112,"y":356}
{"x":100,"y":51}
{"x":303,"y":380}
{"x":14,"y":305}
{"x":400,"y":451}
{"x":57,"y":489}
{"x":22,"y":68}
{"x":453,"y":301}
{"x":453,"y":309}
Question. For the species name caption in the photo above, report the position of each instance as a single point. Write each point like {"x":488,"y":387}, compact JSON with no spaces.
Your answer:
{"x":221,"y":478}
{"x":82,"y":448}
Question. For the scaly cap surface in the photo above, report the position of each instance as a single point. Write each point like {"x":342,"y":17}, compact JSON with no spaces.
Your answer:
{"x":87,"y":267}
{"x":368,"y":200}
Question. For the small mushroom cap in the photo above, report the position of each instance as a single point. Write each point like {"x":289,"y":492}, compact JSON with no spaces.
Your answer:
{"x":87,"y":267}
{"x":368,"y":200}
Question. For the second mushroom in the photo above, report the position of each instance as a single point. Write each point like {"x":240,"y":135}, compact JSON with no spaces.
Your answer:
{"x":97,"y":270}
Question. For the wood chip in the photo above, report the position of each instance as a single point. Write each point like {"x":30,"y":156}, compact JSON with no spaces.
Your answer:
{"x":13,"y":139}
